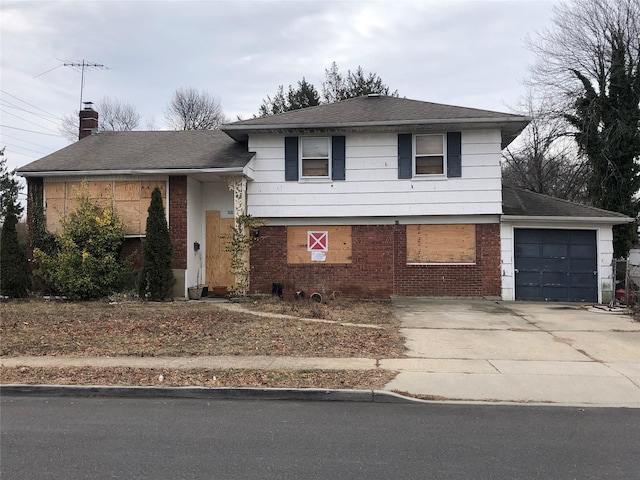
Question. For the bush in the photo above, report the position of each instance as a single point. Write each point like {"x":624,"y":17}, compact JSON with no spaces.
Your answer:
{"x":86,"y":264}
{"x":15,"y":272}
{"x":156,"y":277}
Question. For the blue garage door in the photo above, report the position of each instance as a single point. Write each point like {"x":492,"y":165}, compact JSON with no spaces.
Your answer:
{"x":556,"y":265}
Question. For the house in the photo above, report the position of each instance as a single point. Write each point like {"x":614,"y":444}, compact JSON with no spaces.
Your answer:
{"x":372,"y":196}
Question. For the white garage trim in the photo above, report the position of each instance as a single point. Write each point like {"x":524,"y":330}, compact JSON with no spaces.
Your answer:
{"x":604,"y":244}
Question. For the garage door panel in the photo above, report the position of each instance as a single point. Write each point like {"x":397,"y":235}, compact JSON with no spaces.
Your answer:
{"x":584,"y":237}
{"x":550,"y":250}
{"x":582,"y":265}
{"x":556,"y":265}
{"x":528,"y":250}
{"x":560,"y":237}
{"x":552,"y":292}
{"x":583,"y":251}
{"x":554,"y":278}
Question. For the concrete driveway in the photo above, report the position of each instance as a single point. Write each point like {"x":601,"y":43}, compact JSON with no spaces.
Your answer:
{"x":517,"y":352}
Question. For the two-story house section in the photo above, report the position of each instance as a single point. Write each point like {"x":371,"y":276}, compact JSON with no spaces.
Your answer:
{"x":377,"y":196}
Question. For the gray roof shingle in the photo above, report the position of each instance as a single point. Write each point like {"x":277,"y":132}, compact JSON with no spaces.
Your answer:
{"x":379,"y":111}
{"x":156,"y":150}
{"x":518,"y":202}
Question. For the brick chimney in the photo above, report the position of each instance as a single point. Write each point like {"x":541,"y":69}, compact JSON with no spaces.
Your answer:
{"x":88,"y":121}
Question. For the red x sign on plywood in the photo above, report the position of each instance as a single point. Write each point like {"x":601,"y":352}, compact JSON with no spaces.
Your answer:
{"x":317,"y":241}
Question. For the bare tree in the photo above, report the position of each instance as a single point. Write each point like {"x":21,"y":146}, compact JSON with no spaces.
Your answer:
{"x":590,"y":58}
{"x":113,"y":115}
{"x":193,"y":110}
{"x":544,"y":159}
{"x":581,"y":40}
{"x":117,"y":116}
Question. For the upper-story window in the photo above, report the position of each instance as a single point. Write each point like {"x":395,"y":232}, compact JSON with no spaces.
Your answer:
{"x":429,"y":155}
{"x":315,"y":158}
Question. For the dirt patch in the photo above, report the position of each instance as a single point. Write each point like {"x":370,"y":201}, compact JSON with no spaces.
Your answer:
{"x":330,"y":379}
{"x":183,"y":328}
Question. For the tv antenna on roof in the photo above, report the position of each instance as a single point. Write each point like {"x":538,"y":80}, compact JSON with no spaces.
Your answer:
{"x":84,"y":65}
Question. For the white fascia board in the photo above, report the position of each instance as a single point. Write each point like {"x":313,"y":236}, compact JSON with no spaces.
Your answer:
{"x":565,"y":220}
{"x":96,"y":173}
{"x":417,"y":220}
{"x":494,"y":121}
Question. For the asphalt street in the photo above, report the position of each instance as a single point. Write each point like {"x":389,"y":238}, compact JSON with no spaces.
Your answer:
{"x":117,"y":438}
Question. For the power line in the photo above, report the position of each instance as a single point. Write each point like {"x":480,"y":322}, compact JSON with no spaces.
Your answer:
{"x":5,"y":104}
{"x":32,"y":131}
{"x":23,"y":141}
{"x":31,"y":105}
{"x":23,"y":148}
{"x":28,"y":121}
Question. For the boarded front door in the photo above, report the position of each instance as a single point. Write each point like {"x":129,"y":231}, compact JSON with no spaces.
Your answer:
{"x":558,"y":265}
{"x":218,"y":262}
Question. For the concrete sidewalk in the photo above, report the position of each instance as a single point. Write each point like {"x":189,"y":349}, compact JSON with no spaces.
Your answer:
{"x":517,"y":352}
{"x":467,"y":350}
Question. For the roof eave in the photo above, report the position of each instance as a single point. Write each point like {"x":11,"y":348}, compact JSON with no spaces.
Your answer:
{"x":149,"y":171}
{"x":551,"y":219}
{"x":516,"y":124}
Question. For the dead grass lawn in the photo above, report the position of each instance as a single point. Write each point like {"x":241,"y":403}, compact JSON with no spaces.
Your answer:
{"x":181,"y":328}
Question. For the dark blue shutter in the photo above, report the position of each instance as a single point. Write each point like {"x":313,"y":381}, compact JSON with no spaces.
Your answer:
{"x":337,"y":157}
{"x":454,"y":154}
{"x":291,"y":159}
{"x":405,"y":155}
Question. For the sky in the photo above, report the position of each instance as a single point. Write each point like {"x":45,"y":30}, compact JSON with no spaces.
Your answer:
{"x":467,"y":53}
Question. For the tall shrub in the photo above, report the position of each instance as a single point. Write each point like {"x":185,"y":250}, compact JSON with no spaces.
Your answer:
{"x":15,"y":273}
{"x":156,"y":278}
{"x":86,"y":264}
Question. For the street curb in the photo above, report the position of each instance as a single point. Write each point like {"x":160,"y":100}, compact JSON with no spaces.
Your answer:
{"x":222,"y":393}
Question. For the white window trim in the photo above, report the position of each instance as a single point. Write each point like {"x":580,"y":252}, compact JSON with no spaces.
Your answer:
{"x":442,"y":175}
{"x":301,"y":158}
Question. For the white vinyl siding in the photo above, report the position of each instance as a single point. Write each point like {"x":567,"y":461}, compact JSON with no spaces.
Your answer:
{"x":372,"y":187}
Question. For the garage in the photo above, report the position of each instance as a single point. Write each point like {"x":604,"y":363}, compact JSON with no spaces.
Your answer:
{"x":556,"y":265}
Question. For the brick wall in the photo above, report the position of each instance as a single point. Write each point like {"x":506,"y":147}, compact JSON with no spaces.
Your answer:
{"x":478,"y":280}
{"x":378,"y":267}
{"x":178,"y":220}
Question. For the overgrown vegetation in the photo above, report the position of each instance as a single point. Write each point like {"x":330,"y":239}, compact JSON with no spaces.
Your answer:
{"x":156,"y":277}
{"x":15,"y":272}
{"x":86,"y":262}
{"x":238,"y":242}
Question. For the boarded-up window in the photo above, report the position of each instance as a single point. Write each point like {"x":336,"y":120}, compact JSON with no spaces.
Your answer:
{"x":130,"y":199}
{"x":441,"y":243}
{"x":304,"y":244}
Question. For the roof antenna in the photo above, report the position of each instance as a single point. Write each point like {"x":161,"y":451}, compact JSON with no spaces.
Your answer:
{"x":84,"y":65}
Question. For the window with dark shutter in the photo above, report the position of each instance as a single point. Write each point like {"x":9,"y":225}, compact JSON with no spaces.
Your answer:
{"x":405,"y":155}
{"x":291,"y":159}
{"x":454,"y":154}
{"x":338,"y":157}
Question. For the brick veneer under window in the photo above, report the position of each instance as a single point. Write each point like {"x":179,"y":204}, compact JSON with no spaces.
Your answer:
{"x":178,"y":220}
{"x":378,"y":267}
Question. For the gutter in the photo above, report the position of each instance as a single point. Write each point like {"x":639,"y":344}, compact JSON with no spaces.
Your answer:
{"x":167,"y":171}
{"x":565,"y":220}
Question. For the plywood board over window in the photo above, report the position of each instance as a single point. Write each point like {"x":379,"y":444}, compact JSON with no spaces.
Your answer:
{"x":441,"y":244}
{"x":338,"y":245}
{"x":130,"y":199}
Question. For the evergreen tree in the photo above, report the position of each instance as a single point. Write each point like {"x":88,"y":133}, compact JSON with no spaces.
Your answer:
{"x":9,"y":189}
{"x":608,"y":134}
{"x":15,"y":273}
{"x":156,"y":278}
{"x":304,"y":96}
